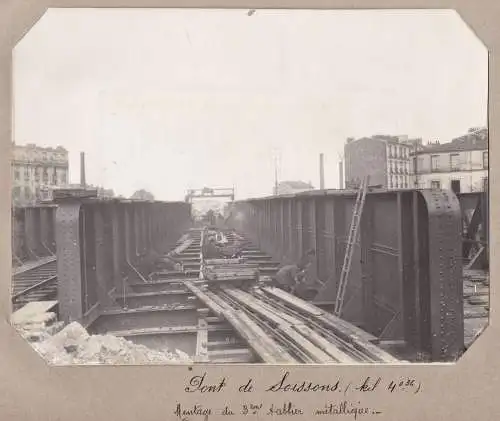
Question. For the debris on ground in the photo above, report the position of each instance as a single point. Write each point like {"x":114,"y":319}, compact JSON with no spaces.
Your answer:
{"x":72,"y":344}
{"x":36,"y":320}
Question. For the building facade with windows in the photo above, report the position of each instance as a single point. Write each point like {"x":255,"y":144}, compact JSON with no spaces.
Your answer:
{"x":460,"y":165}
{"x":385,"y":159}
{"x":35,"y":168}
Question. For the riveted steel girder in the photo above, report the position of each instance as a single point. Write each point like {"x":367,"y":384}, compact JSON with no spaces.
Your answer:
{"x":406,"y":277}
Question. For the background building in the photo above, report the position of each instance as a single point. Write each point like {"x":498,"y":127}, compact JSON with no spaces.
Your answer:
{"x":386,"y":159}
{"x":460,"y":165}
{"x":291,"y":187}
{"x":36,"y":168}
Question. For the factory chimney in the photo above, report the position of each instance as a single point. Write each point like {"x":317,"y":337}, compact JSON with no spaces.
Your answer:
{"x":341,"y":175}
{"x":321,"y":172}
{"x":82,"y":170}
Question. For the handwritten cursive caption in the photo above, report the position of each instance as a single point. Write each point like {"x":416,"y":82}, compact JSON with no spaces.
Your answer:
{"x":338,"y":394}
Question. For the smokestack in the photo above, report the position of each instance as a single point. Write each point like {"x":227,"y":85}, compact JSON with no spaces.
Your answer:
{"x":341,"y":175}
{"x":82,"y":169}
{"x":321,"y":172}
{"x":275,"y":176}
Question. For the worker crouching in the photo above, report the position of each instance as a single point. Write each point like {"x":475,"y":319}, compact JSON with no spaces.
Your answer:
{"x":292,"y":278}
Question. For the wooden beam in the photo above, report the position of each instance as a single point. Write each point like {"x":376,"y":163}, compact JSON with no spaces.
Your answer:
{"x":286,"y":328}
{"x":202,"y":337}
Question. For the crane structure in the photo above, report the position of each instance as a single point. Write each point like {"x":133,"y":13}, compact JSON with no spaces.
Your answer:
{"x":210,"y":193}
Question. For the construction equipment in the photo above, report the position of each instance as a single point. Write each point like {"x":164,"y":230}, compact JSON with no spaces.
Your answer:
{"x":353,"y":235}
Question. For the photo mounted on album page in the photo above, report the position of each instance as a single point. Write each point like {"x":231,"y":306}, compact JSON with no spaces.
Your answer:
{"x":225,"y":186}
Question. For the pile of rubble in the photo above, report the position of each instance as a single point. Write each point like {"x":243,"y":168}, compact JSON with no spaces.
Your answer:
{"x":72,"y":344}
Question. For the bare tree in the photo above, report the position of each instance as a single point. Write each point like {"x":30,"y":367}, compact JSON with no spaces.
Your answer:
{"x":142,"y":195}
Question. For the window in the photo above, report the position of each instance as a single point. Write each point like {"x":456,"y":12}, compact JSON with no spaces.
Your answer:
{"x":17,"y":175}
{"x":485,"y":159}
{"x":434,"y":162}
{"x":435,"y":184}
{"x":27,"y":193}
{"x":454,"y":162}
{"x":485,"y":184}
{"x":455,"y":186}
{"x":415,"y":166}
{"x":27,"y":173}
{"x":16,"y":193}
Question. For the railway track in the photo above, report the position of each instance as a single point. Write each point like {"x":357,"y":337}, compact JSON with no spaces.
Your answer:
{"x":35,"y":281}
{"x":233,"y":316}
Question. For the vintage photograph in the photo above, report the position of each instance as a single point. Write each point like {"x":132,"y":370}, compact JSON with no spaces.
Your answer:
{"x":234,"y":186}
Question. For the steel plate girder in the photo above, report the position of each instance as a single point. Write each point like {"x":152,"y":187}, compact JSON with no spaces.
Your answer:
{"x":407,"y":274}
{"x":95,"y":242}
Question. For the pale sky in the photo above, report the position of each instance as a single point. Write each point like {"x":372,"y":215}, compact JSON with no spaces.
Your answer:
{"x":168,"y":100}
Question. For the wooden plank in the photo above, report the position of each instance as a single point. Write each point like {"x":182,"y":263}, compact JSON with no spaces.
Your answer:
{"x":163,"y":282}
{"x":223,"y":261}
{"x":315,"y":338}
{"x":314,"y":311}
{"x":166,"y":330}
{"x":309,"y":347}
{"x":341,"y":328}
{"x":148,"y":309}
{"x":359,"y":341}
{"x":202,"y":338}
{"x":261,"y":343}
{"x":238,"y":356}
{"x":155,"y":294}
{"x":211,"y":304}
{"x":265,"y":347}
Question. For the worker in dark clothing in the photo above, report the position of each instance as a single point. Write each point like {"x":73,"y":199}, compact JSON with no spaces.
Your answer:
{"x":210,"y":250}
{"x":289,"y":276}
{"x":308,"y":258}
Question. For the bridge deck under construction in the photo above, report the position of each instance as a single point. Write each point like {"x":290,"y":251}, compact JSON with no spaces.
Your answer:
{"x":137,"y":270}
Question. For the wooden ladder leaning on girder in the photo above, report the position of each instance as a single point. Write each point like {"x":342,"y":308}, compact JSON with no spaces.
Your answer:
{"x":351,"y":241}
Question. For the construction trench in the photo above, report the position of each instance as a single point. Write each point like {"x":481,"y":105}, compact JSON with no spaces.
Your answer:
{"x":138,"y":272}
